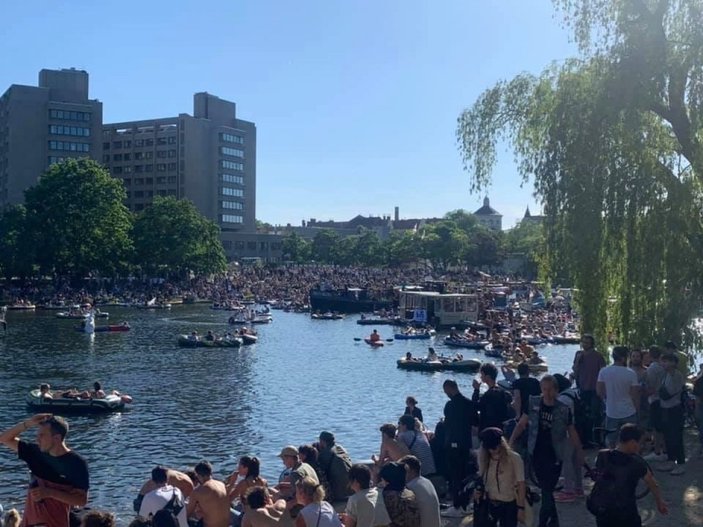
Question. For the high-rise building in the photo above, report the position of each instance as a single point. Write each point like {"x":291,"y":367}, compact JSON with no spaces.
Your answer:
{"x":208,"y":158}
{"x":40,"y":125}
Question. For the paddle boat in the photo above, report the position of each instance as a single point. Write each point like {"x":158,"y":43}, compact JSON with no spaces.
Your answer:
{"x":57,"y":403}
{"x":441,"y":364}
{"x":466,"y":343}
{"x":112,"y":328}
{"x":374,"y":343}
{"x":414,"y":334}
{"x":186,"y":341}
{"x":327,"y":316}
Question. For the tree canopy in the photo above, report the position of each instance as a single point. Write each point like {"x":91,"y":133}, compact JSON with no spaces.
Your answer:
{"x":77,"y":221}
{"x":612,"y":142}
{"x":171,"y":236}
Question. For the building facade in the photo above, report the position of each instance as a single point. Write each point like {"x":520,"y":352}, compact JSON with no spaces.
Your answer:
{"x":44,"y":124}
{"x":489,"y":217}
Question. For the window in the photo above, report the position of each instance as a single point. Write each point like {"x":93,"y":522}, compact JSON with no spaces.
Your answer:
{"x":251,"y":246}
{"x":106,"y":158}
{"x":231,"y":218}
{"x":172,"y":180}
{"x":138,"y":193}
{"x":59,"y":129}
{"x":171,"y":153}
{"x":117,"y":170}
{"x":161,"y":192}
{"x":139,"y":142}
{"x":236,"y":192}
{"x":172,"y":140}
{"x":127,"y":157}
{"x":127,"y":144}
{"x":161,"y":167}
{"x":231,"y":138}
{"x":139,"y":181}
{"x":148,"y":168}
{"x":161,"y":180}
{"x":161,"y":154}
{"x":106,"y":146}
{"x":139,"y":206}
{"x":138,"y":155}
{"x":117,"y":157}
{"x":139,"y":168}
{"x":172,"y":166}
{"x":117,"y":144}
{"x":128,"y":170}
{"x":230,"y":178}
{"x":127,"y":182}
{"x":148,"y":155}
{"x":69,"y":116}
{"x":149,"y":181}
{"x":161,"y":141}
{"x":149,"y":142}
{"x":232,"y":205}
{"x":231,"y":165}
{"x":70,"y":146}
{"x":235,"y":152}
{"x":239,"y":246}
{"x":55,"y":159}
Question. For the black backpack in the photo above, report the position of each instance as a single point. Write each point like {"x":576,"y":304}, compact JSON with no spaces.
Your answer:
{"x":603,"y":498}
{"x":175,"y":504}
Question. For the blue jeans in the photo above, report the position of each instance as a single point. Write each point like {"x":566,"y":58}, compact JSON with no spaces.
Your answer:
{"x":614,"y":424}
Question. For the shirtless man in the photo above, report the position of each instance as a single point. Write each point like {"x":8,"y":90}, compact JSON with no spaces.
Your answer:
{"x":260,"y":510}
{"x":209,"y":500}
{"x":391,"y":448}
{"x":175,"y":478}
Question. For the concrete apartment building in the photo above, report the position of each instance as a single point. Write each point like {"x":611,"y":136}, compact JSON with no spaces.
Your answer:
{"x":208,"y":158}
{"x":40,"y":125}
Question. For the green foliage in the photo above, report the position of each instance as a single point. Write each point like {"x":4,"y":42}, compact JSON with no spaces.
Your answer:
{"x":171,"y":236}
{"x":16,"y":251}
{"x":77,"y":221}
{"x":323,"y":246}
{"x":526,"y":240}
{"x":613,"y":142}
{"x":295,"y":248}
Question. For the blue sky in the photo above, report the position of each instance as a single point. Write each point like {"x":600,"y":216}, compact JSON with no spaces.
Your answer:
{"x":355,"y":102}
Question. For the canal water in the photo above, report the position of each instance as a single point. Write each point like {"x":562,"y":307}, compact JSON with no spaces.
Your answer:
{"x":303,"y":376}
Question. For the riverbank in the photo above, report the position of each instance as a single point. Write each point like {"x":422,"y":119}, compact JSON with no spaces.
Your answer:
{"x":684,"y":495}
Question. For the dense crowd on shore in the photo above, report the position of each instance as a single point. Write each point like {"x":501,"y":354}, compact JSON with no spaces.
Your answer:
{"x":530,"y":433}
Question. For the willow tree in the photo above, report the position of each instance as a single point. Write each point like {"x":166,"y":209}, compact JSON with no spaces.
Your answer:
{"x":612,"y":141}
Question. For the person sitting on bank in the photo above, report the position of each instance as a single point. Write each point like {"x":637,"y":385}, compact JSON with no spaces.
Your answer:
{"x":297,"y":470}
{"x":185,"y":482}
{"x":248,"y":471}
{"x":391,"y":448}
{"x":209,"y":501}
{"x":260,"y":510}
{"x":365,"y":508}
{"x":162,"y":495}
{"x":335,"y":462}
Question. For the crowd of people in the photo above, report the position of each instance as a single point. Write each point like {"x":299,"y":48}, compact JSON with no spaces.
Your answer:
{"x":530,"y":433}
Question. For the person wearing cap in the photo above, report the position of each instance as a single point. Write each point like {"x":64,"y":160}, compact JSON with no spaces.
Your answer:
{"x":503,"y":474}
{"x":335,"y":462}
{"x":297,"y":471}
{"x":682,"y":366}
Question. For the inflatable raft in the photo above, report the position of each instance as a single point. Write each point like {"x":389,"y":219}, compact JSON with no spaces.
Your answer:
{"x":466,"y":343}
{"x":111,"y":403}
{"x":185,"y":342}
{"x":465,"y":365}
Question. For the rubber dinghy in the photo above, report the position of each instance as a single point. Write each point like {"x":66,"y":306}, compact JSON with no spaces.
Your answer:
{"x":465,"y":365}
{"x":185,"y":342}
{"x":110,"y":403}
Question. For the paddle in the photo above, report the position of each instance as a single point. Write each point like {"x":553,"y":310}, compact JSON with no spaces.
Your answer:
{"x":359,"y":339}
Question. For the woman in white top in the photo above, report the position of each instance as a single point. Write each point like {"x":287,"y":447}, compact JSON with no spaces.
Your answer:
{"x":316,"y":512}
{"x":503,"y":474}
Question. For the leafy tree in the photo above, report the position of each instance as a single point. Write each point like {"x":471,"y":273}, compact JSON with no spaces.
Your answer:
{"x":16,"y":251}
{"x":484,"y":247}
{"x":614,"y":142}
{"x":171,"y":236}
{"x":403,"y":247}
{"x":369,"y":249}
{"x":444,"y":244}
{"x":527,"y":240}
{"x":295,"y":248}
{"x":322,"y":245}
{"x":344,"y":251}
{"x":77,"y":221}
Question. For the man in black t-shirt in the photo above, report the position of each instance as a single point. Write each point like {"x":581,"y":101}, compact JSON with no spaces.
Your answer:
{"x":625,"y":466}
{"x":59,"y":476}
{"x":493,"y":405}
{"x":524,"y":387}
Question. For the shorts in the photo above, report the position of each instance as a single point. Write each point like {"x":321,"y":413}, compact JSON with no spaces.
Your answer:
{"x":656,"y":420}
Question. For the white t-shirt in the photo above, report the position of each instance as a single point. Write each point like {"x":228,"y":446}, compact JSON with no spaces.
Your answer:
{"x":618,"y":380}
{"x":427,"y":501}
{"x":368,"y":508}
{"x":155,"y":500}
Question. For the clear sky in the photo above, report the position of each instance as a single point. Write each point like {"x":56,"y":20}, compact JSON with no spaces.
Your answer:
{"x":355,"y":101}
